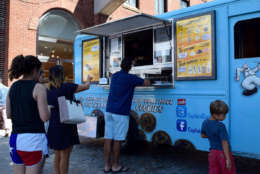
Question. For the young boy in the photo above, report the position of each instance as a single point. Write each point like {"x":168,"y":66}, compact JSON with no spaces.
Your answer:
{"x":220,"y":157}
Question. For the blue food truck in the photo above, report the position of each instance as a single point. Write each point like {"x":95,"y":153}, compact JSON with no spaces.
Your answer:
{"x":192,"y":56}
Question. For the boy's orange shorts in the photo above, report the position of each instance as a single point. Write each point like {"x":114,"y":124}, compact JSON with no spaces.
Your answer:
{"x":217,"y":163}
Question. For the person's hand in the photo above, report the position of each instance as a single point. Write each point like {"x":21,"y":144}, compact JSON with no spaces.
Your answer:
{"x":228,"y":164}
{"x":147,"y":82}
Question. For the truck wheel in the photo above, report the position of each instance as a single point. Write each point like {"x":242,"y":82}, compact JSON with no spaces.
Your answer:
{"x":184,"y":146}
{"x":148,"y":122}
{"x":161,"y":140}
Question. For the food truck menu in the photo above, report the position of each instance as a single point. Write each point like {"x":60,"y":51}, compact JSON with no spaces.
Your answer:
{"x":91,"y":59}
{"x":115,"y":53}
{"x":194,"y":48}
{"x":162,"y":45}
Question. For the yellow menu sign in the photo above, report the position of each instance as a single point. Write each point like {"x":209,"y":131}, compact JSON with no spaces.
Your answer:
{"x":194,"y":57}
{"x":91,"y":57}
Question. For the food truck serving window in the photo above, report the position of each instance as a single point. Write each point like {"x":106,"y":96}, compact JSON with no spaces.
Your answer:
{"x":139,"y":46}
{"x":147,"y":40}
{"x":150,"y":50}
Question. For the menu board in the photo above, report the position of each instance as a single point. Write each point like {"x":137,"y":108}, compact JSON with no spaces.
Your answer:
{"x":115,"y":52}
{"x":195,"y":47}
{"x":91,"y":58}
{"x":162,"y":45}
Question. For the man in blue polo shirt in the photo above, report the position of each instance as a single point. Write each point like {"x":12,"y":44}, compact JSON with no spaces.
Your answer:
{"x":117,"y":113}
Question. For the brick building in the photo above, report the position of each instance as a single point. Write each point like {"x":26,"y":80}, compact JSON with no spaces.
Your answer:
{"x":47,"y":27}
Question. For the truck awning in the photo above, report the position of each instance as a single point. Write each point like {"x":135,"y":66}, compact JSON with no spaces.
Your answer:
{"x":125,"y":25}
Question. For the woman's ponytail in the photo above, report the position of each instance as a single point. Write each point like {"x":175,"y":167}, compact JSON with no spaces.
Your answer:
{"x":17,"y":67}
{"x":23,"y":66}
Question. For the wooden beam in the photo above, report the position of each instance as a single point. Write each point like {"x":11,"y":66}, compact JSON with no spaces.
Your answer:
{"x":111,"y":7}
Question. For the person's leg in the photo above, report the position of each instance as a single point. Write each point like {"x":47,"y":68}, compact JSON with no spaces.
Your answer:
{"x":64,"y":160}
{"x":213,"y":162}
{"x":35,"y":169}
{"x":222,"y":161}
{"x":108,"y":141}
{"x":56,"y":162}
{"x":19,"y":169}
{"x":121,"y":125}
{"x":116,"y":153}
{"x":43,"y":163}
{"x":107,"y":154}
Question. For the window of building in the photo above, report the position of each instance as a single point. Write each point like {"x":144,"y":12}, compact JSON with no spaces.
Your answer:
{"x":160,"y":6}
{"x":3,"y":38}
{"x":56,"y":32}
{"x":185,"y":3}
{"x":247,"y":38}
{"x":132,"y":3}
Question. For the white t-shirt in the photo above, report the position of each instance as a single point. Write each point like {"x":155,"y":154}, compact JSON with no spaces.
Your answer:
{"x":3,"y":94}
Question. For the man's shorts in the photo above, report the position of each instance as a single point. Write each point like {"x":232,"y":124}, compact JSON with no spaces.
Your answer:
{"x":28,"y":149}
{"x":116,"y":126}
{"x":217,"y":163}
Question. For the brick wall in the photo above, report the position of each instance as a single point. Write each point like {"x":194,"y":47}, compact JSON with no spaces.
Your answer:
{"x":147,"y":6}
{"x":4,"y":4}
{"x":24,"y":17}
{"x":173,"y":5}
{"x":195,"y":2}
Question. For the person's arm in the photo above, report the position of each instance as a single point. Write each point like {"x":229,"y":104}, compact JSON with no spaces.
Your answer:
{"x":225,"y":144}
{"x":137,"y":81}
{"x":203,"y":130}
{"x":85,"y":86}
{"x":226,"y":150}
{"x":147,"y":82}
{"x":8,"y":106}
{"x":40,"y":95}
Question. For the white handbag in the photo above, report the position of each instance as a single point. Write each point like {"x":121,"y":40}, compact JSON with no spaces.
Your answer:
{"x":88,"y":129}
{"x":71,"y":112}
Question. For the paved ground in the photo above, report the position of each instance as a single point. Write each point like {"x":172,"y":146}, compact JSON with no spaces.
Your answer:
{"x":87,"y":158}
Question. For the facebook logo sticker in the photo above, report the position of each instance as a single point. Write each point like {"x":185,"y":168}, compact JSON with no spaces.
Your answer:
{"x":181,"y":125}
